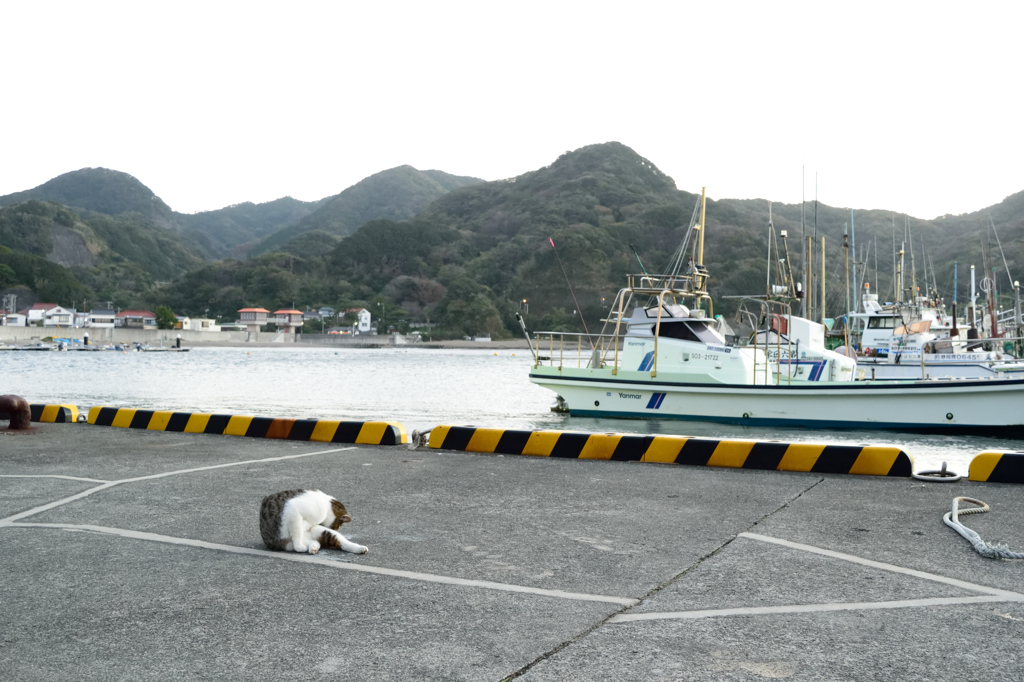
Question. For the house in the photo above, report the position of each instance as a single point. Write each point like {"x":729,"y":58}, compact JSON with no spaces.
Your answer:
{"x":326,"y":311}
{"x":36,"y":315}
{"x":135,"y":319}
{"x":205,"y":324}
{"x":59,"y":317}
{"x":102,"y":318}
{"x":362,"y":316}
{"x":253,"y":318}
{"x":15,"y":320}
{"x":287,"y":320}
{"x":196,"y":324}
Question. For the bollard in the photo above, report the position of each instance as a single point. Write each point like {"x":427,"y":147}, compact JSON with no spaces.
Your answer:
{"x":17,"y":410}
{"x":85,"y":339}
{"x":178,"y":342}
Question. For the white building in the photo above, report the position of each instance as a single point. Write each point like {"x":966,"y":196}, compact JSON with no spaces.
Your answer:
{"x":102,"y":318}
{"x":362,"y":326}
{"x":15,"y":320}
{"x":59,"y":317}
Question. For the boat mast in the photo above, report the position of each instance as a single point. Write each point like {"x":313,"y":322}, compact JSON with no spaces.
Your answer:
{"x":853,"y":252}
{"x":823,"y":280}
{"x":803,"y":239}
{"x":846,"y":315}
{"x":954,"y":332}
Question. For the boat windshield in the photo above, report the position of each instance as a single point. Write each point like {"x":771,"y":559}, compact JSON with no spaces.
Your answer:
{"x":878,"y":322}
{"x":689,"y":331}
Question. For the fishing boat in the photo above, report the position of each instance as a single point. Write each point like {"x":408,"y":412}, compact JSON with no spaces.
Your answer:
{"x":921,"y":341}
{"x":665,"y":358}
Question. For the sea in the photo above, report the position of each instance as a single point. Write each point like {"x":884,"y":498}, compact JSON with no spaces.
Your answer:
{"x":419,"y":387}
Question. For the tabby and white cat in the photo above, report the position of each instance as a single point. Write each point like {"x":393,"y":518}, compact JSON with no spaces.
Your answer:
{"x":304,"y":521}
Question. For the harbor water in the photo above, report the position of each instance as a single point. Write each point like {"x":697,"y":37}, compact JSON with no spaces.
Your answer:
{"x":418,"y":387}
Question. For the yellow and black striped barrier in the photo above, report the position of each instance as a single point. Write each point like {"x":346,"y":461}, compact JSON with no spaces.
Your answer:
{"x":740,"y":454}
{"x":997,"y":467}
{"x":320,"y":430}
{"x":53,"y":414}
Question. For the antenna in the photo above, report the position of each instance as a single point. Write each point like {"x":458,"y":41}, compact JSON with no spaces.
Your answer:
{"x":578,"y":310}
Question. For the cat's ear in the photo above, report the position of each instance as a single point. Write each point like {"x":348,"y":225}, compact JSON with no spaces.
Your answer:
{"x":339,"y":511}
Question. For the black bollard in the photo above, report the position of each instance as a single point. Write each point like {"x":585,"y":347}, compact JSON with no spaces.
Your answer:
{"x":177,"y":344}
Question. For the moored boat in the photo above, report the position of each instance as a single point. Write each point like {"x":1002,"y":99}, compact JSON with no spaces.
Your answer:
{"x":668,"y":360}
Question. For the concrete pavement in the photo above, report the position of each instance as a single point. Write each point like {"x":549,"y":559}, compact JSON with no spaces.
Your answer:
{"x":128,"y":554}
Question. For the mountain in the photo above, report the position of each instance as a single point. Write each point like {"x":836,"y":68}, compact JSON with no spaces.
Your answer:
{"x":100,"y":190}
{"x":114,"y":258}
{"x":234,"y":230}
{"x":394,"y":194}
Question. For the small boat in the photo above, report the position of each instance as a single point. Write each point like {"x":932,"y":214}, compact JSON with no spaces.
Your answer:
{"x":665,"y":358}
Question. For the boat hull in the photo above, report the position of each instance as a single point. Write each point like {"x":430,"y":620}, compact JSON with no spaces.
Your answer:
{"x":993,"y":407}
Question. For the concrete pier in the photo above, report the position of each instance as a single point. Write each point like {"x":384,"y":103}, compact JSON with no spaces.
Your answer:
{"x":130,"y":554}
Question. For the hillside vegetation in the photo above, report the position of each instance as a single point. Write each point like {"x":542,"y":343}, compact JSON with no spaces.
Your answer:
{"x":395,"y":194}
{"x":467,"y":258}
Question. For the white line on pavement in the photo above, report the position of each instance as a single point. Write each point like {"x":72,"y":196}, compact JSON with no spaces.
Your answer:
{"x":1006,"y":595}
{"x":804,"y":608}
{"x":110,"y":484}
{"x":70,"y":478}
{"x":311,"y":559}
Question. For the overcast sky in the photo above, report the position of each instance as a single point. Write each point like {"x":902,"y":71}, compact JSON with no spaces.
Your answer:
{"x":913,"y":107}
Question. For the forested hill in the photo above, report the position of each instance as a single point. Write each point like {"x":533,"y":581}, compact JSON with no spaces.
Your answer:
{"x":469,"y":257}
{"x":100,"y":190}
{"x":395,"y":194}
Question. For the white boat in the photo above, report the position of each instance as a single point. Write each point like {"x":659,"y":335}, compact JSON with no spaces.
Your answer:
{"x":667,"y":360}
{"x":919,"y":342}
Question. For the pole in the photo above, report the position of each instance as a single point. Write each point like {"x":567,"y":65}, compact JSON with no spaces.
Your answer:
{"x":803,"y":237}
{"x":809,"y":278}
{"x":846,"y":315}
{"x":853,"y":252}
{"x":574,"y":293}
{"x":823,"y":280}
{"x":954,"y":332}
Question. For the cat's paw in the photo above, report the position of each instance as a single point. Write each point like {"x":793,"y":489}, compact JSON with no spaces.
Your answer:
{"x":314,"y":546}
{"x":360,"y":549}
{"x":301,"y":549}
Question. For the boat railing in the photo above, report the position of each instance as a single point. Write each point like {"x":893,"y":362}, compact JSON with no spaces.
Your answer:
{"x":570,"y":349}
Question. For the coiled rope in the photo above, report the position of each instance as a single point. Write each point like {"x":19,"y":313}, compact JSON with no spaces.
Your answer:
{"x":985,"y":549}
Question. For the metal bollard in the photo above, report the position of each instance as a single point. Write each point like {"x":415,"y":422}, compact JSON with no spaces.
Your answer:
{"x":17,"y":411}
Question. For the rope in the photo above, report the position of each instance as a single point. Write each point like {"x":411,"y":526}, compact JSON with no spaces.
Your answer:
{"x":985,"y":549}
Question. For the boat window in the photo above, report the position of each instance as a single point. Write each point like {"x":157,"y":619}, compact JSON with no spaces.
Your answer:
{"x":689,"y":331}
{"x":881,"y":323}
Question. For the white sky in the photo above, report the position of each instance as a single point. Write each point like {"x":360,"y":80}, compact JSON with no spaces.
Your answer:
{"x":913,"y":107}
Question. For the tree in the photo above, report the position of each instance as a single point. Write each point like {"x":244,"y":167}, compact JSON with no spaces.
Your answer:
{"x":165,"y":318}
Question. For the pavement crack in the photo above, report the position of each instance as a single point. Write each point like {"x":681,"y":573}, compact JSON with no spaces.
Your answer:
{"x":654,"y":590}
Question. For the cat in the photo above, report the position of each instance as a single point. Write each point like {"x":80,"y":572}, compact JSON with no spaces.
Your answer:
{"x":304,"y":521}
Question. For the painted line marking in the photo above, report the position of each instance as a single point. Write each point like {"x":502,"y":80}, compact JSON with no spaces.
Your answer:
{"x":805,"y":608}
{"x":1012,"y":596}
{"x":110,"y":484}
{"x":990,"y":594}
{"x":70,"y":478}
{"x":312,"y":559}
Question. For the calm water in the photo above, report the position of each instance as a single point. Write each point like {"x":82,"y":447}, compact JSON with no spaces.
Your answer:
{"x":419,"y":387}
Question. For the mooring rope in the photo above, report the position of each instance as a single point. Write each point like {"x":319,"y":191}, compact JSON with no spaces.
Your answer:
{"x":985,"y":549}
